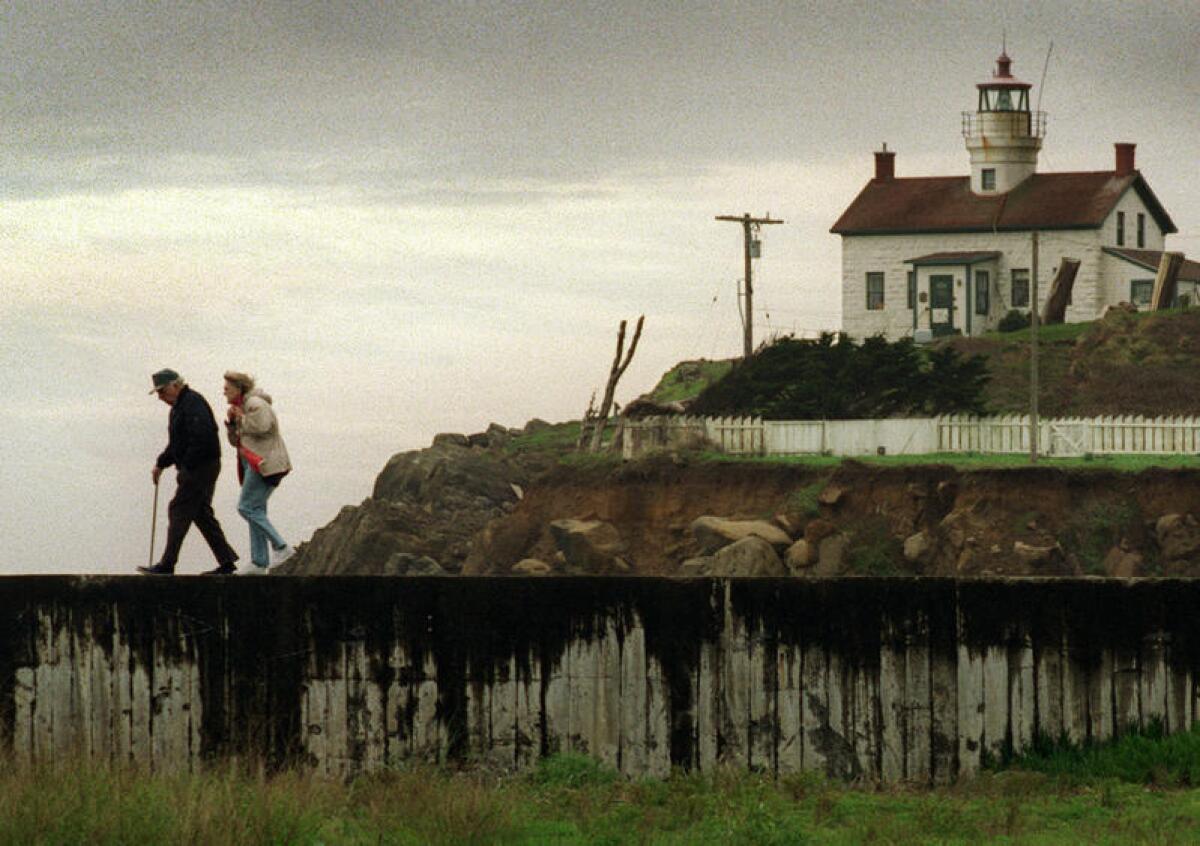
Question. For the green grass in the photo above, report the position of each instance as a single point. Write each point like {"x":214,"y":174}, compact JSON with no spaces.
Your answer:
{"x":1053,"y":333}
{"x":1095,"y":527}
{"x":805,"y":500}
{"x":1146,"y":756}
{"x":873,"y":550}
{"x":1072,"y":331}
{"x":1095,"y":796}
{"x":687,"y":379}
{"x":553,"y":438}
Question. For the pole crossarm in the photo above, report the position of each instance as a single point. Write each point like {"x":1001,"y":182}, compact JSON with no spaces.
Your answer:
{"x":750,"y":225}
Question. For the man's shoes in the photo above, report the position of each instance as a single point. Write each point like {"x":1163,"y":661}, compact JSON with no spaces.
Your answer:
{"x":159,"y":569}
{"x":252,"y":569}
{"x":281,"y":555}
{"x":224,"y":569}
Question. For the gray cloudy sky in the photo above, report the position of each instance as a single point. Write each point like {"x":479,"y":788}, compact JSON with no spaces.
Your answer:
{"x":412,"y":218}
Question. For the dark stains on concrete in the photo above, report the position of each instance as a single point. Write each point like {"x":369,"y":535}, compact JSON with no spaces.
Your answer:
{"x":255,"y":641}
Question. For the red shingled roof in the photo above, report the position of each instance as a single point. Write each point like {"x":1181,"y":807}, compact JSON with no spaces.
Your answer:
{"x":946,"y":204}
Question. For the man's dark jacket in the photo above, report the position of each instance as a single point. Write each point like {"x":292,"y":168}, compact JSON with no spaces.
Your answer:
{"x":192,"y":431}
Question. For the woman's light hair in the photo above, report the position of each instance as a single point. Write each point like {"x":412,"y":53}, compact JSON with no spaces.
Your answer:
{"x":242,"y":381}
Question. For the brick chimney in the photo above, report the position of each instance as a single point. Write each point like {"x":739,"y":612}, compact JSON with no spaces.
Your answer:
{"x":1125,"y":164}
{"x":885,"y":164}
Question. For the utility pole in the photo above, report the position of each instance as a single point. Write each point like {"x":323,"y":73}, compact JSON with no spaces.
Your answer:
{"x":750,"y":226}
{"x":1033,"y":354}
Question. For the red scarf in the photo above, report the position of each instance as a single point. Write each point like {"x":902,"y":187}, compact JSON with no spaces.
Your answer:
{"x":252,"y":458}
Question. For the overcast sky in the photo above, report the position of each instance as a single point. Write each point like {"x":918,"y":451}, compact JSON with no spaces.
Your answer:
{"x":413,"y":218}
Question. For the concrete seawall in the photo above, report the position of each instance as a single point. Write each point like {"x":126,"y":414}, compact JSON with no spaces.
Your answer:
{"x":915,"y":680}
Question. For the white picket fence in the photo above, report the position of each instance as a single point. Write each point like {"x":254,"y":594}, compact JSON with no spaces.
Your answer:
{"x":1061,"y":437}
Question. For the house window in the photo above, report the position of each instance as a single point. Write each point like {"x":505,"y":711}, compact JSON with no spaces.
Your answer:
{"x":1020,"y":288}
{"x":1141,"y":230}
{"x":988,"y":176}
{"x":1120,"y":229}
{"x":1140,"y":291}
{"x":982,"y":280}
{"x":874,"y":292}
{"x":912,"y":289}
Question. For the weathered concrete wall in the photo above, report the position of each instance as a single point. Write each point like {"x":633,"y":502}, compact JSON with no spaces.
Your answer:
{"x":888,"y":679}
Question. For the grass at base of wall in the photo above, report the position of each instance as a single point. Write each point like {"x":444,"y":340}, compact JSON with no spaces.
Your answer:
{"x":1146,"y":756}
{"x":1095,"y":795}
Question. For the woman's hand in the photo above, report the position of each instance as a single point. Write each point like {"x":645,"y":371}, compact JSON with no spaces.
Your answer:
{"x":235,"y":411}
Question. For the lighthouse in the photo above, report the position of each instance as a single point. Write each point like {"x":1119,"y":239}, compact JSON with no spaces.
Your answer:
{"x":1003,"y":136}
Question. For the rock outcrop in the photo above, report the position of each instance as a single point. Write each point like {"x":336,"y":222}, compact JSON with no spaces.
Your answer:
{"x":427,"y":506}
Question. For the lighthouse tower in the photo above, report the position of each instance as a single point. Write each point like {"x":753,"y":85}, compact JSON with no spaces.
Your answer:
{"x":1003,"y":136}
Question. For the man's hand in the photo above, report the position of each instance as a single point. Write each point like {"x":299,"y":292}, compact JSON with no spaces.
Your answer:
{"x":155,"y":473}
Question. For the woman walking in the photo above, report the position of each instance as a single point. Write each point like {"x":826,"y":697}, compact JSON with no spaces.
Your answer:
{"x":253,"y":429}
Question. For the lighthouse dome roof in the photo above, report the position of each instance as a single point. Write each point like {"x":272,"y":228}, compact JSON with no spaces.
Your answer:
{"x":1002,"y":76}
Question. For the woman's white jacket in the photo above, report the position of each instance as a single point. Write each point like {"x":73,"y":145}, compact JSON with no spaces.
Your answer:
{"x":258,"y":429}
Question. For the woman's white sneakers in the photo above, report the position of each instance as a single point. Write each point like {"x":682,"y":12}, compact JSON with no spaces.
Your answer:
{"x":278,"y":557}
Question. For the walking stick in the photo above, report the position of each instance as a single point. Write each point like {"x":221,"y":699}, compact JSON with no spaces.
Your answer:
{"x":153,"y":523}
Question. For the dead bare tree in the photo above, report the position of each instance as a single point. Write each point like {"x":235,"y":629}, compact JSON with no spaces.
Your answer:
{"x":614,"y":375}
{"x":585,"y":426}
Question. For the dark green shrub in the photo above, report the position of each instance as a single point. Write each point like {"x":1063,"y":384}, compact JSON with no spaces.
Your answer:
{"x":1014,"y":321}
{"x":834,"y":378}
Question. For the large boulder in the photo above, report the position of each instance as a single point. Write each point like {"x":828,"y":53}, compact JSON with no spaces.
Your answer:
{"x":1178,"y":536}
{"x":713,"y":533}
{"x":589,"y":546}
{"x":1039,"y":558}
{"x":699,"y":566}
{"x":450,"y":475}
{"x":831,"y":556}
{"x":531,"y":567}
{"x":799,"y":557}
{"x":817,"y":530}
{"x":750,"y":556}
{"x":362,"y":539}
{"x":917,"y":547}
{"x":409,"y":564}
{"x":1121,"y":563}
{"x":502,"y":543}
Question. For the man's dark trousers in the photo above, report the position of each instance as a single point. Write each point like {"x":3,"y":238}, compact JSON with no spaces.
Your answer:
{"x":192,"y":503}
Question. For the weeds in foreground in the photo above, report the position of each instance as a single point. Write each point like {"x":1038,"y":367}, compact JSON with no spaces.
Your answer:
{"x":805,"y":501}
{"x":1054,"y":794}
{"x":873,"y":549}
{"x":1096,"y":527}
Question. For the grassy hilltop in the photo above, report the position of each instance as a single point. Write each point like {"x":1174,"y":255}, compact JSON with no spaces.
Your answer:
{"x":1144,"y":363}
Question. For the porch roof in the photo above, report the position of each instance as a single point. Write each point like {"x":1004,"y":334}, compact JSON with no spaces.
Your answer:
{"x":956,"y":258}
{"x":1150,"y":259}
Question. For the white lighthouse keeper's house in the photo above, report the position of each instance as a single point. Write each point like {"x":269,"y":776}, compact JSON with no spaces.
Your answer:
{"x":937,"y":255}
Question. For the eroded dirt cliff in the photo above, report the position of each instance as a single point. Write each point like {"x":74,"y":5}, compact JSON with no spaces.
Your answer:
{"x":865,"y":519}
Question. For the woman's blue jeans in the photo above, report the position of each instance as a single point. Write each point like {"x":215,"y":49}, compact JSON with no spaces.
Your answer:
{"x":252,"y":505}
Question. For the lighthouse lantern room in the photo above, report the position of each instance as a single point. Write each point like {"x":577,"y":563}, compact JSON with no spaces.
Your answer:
{"x":1003,"y":136}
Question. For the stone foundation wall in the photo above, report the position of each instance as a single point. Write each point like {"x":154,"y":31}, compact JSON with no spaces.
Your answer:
{"x":893,"y":680}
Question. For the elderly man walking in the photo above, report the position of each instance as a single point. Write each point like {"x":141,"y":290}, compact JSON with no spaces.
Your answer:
{"x":195,"y":451}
